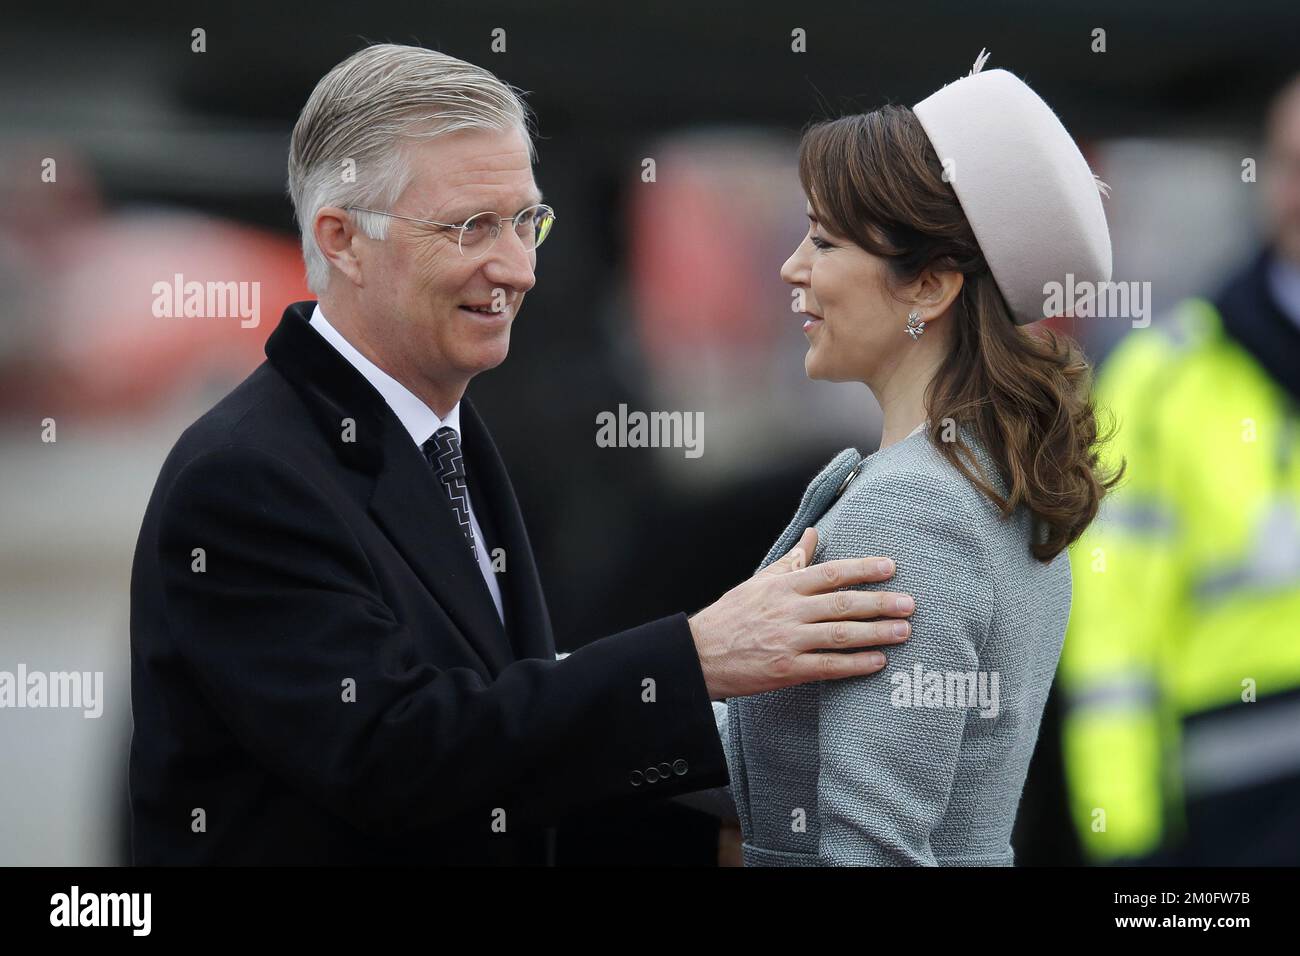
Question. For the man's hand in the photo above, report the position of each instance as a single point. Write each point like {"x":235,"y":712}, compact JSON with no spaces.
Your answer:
{"x":772,"y":630}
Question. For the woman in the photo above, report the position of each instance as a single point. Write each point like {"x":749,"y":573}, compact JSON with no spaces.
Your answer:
{"x":933,"y":234}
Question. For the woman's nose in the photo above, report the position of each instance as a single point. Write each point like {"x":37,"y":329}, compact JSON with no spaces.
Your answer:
{"x":795,"y":270}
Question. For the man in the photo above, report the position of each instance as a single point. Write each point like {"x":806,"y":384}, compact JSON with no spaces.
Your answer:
{"x":340,"y":648}
{"x":1181,"y":667}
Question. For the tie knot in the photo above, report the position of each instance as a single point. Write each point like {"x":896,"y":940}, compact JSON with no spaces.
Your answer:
{"x":443,"y":451}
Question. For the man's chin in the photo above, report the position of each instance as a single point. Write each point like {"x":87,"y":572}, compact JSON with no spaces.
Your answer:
{"x":491,"y":354}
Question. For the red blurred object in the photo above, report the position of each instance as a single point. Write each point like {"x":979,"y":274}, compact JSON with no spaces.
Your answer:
{"x":95,"y":346}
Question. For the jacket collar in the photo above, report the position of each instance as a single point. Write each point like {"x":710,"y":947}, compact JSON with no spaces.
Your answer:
{"x":365,"y":435}
{"x":335,"y":393}
{"x":1254,"y":319}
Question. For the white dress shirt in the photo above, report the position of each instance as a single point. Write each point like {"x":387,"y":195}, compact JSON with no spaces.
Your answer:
{"x":419,"y":420}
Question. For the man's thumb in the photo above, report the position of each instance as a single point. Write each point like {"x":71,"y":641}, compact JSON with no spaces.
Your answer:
{"x":799,"y":556}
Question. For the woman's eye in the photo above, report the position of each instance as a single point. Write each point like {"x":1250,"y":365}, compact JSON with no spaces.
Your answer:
{"x":820,"y":243}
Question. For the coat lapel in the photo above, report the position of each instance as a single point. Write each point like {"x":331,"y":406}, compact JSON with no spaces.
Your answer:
{"x":527,"y":616}
{"x":405,"y":499}
{"x":417,"y":515}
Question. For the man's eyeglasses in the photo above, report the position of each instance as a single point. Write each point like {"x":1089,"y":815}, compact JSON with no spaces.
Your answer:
{"x":480,"y":231}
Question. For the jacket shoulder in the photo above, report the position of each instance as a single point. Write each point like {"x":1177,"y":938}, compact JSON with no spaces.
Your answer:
{"x":916,"y":472}
{"x":263,"y":412}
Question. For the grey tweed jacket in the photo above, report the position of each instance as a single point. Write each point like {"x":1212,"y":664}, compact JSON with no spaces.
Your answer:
{"x":922,"y":763}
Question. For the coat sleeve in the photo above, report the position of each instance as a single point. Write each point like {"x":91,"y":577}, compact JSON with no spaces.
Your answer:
{"x":286,"y":634}
{"x":886,"y":766}
{"x":718,"y":802}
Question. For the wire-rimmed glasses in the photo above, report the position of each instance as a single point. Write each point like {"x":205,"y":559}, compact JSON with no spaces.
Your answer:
{"x":480,"y":231}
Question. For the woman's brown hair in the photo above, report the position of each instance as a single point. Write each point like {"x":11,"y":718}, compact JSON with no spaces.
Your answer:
{"x":875,"y":179}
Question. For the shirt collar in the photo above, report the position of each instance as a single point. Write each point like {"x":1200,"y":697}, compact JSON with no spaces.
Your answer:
{"x":419,"y":420}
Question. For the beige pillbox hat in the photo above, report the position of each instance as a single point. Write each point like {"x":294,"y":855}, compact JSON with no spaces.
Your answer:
{"x":1031,"y":200}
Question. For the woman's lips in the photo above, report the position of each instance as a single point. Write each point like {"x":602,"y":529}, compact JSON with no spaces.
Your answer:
{"x":811,"y":321}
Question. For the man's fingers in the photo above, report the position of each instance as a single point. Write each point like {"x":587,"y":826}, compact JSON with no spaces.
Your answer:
{"x":798,"y":556}
{"x":839,"y":635}
{"x":830,"y":575}
{"x":855,"y":606}
{"x":811,"y":667}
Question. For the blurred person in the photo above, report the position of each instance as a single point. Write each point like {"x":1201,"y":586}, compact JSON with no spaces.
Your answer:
{"x":340,"y":648}
{"x":933,"y":231}
{"x":1181,"y":669}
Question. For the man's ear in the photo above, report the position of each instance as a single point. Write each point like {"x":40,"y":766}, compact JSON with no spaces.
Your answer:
{"x":935,"y":291}
{"x":336,"y":235}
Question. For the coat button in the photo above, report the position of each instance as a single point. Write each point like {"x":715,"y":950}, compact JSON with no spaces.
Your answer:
{"x":636,"y":778}
{"x":679,"y":767}
{"x":665,"y":770}
{"x":651,"y":775}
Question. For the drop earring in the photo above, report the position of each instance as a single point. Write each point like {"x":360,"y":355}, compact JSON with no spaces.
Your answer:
{"x":914,"y":325}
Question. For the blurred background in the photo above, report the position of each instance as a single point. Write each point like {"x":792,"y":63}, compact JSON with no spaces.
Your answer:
{"x":660,"y":295}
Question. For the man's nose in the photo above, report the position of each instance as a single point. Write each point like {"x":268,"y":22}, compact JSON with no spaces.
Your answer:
{"x":510,"y":262}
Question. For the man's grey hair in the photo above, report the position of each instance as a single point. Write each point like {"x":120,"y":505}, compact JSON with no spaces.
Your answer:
{"x":349,"y":144}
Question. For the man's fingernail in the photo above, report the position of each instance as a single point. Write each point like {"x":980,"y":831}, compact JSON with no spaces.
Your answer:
{"x":904,"y":603}
{"x":878,"y":660}
{"x":884,"y":566}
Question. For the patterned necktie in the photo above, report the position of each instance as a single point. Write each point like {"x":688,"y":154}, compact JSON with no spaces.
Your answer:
{"x":443,"y":452}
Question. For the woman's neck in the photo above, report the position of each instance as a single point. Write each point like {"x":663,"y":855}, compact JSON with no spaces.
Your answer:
{"x":901,"y":388}
{"x":902,"y":397}
{"x":900,"y":425}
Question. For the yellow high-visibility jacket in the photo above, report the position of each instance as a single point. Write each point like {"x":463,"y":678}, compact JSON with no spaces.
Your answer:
{"x":1181,"y":665}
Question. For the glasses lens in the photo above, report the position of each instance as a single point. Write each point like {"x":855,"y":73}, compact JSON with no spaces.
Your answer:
{"x":534,"y":225}
{"x":479,"y":233}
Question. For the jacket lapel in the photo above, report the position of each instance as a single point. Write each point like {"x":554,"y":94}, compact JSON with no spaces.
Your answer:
{"x":405,"y":499}
{"x":521,"y":590}
{"x":417,"y":516}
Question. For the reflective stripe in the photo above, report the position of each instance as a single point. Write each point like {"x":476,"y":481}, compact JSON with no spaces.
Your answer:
{"x":1130,"y":691}
{"x":1251,"y":744}
{"x":1273,"y":561}
{"x":1224,"y":584}
{"x":1148,"y":517}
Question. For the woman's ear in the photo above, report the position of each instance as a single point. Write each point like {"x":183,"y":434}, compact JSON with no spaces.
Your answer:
{"x":934,"y":291}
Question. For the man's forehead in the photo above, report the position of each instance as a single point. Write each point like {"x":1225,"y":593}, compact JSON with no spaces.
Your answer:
{"x":482,"y":171}
{"x":468,"y":199}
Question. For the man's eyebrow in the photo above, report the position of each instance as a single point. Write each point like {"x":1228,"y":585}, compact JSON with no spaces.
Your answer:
{"x":460,"y":215}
